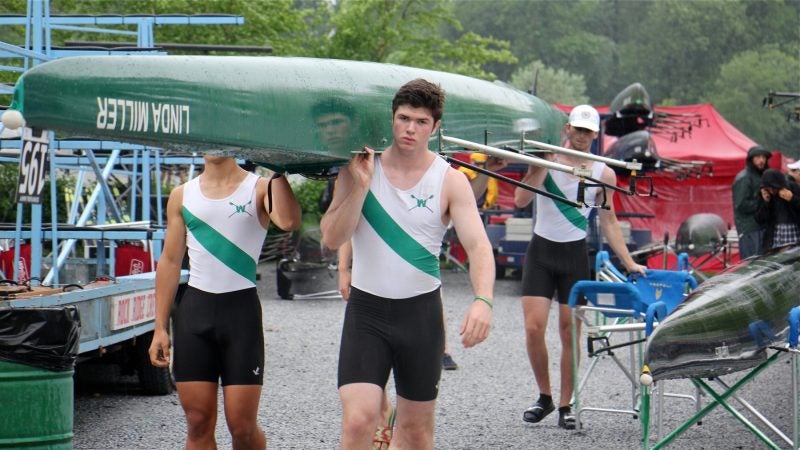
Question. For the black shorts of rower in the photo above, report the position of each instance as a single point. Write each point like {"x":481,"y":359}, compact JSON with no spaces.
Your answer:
{"x":552,"y":268}
{"x":219,"y":338}
{"x":406,"y":336}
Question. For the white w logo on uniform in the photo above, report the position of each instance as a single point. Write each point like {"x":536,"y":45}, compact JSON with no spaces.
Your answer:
{"x":240,"y":208}
{"x":421,"y":203}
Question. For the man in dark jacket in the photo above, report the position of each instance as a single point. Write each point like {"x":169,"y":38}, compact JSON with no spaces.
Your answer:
{"x":746,"y":197}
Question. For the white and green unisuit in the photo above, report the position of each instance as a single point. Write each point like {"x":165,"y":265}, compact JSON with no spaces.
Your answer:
{"x":224,"y":237}
{"x":397,"y":241}
{"x":561,"y":222}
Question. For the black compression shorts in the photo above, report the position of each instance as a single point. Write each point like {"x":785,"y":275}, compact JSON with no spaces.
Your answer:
{"x":218,"y":337}
{"x":404,"y":335}
{"x":552,"y":268}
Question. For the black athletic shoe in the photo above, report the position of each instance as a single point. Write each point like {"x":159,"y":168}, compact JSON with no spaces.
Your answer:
{"x":538,"y":411}
{"x":566,"y":419}
{"x":448,"y":363}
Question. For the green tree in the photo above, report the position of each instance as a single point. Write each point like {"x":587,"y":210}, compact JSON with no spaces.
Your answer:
{"x":408,"y":32}
{"x":566,"y":34}
{"x":745,"y":81}
{"x":552,"y":85}
{"x":271,"y":23}
{"x":9,"y":179}
{"x":683,"y":47}
{"x":674,"y":47}
{"x":308,"y":193}
{"x":772,"y":22}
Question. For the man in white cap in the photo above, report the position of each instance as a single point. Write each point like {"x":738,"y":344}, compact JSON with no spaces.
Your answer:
{"x":793,"y":174}
{"x":746,"y":197}
{"x":557,"y":258}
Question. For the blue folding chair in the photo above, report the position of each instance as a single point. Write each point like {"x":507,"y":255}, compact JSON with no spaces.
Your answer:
{"x":631,"y":305}
{"x":663,"y":291}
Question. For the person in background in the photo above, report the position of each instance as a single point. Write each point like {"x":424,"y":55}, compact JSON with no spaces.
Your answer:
{"x":746,"y":196}
{"x":778,"y":210}
{"x":793,"y":172}
{"x":484,"y":187}
{"x":395,"y":207}
{"x":557,"y":258}
{"x":221,"y":218}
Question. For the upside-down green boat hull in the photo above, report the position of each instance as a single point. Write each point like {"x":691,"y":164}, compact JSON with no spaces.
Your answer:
{"x":257,"y":108}
{"x":729,"y":321}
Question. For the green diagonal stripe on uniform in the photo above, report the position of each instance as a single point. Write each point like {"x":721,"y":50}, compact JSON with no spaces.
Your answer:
{"x":397,"y":239}
{"x":570,"y":212}
{"x":220,"y":247}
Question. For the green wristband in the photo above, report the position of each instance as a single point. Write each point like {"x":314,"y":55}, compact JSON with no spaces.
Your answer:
{"x":484,"y":300}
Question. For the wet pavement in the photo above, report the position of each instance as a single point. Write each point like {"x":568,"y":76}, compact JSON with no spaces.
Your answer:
{"x":480,"y":404}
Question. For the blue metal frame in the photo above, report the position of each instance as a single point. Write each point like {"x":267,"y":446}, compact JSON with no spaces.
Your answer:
{"x":38,"y":48}
{"x":102,"y":158}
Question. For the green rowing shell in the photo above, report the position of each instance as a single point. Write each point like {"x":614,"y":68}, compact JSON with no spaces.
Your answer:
{"x":729,"y":321}
{"x":278,"y":111}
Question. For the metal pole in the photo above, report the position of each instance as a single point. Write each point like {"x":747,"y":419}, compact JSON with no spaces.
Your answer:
{"x":572,"y":152}
{"x":505,"y":154}
{"x":718,"y":400}
{"x":794,"y":331}
{"x":85,"y":215}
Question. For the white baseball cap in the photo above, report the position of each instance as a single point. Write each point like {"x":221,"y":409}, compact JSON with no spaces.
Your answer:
{"x":584,"y":116}
{"x":795,"y":165}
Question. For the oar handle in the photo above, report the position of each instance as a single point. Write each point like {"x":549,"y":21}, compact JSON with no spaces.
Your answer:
{"x":505,"y":154}
{"x":632,"y":165}
{"x":510,"y":180}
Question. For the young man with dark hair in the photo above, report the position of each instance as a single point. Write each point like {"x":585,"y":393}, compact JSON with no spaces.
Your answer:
{"x":395,"y":207}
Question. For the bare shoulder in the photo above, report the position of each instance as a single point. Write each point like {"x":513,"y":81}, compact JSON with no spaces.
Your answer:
{"x":261,"y":194}
{"x":175,"y":204}
{"x":608,"y":175}
{"x":455,"y":180}
{"x":261,"y":185}
{"x":176,"y":195}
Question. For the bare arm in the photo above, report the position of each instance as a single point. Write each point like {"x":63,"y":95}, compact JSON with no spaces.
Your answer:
{"x":352,"y":186}
{"x":345,"y":259}
{"x":534,"y":177}
{"x":479,"y":181}
{"x":477,"y":185}
{"x":610,"y":227}
{"x":472,"y":235}
{"x":286,"y":211}
{"x":168,"y":275}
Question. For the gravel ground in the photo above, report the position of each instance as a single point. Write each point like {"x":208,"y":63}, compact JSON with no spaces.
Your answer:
{"x":480,"y":404}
